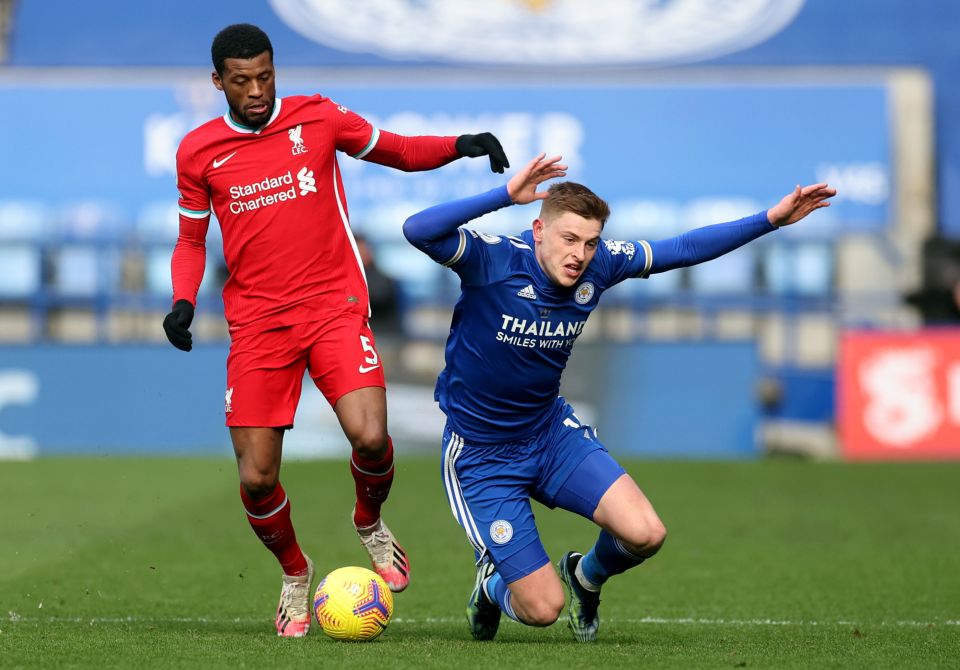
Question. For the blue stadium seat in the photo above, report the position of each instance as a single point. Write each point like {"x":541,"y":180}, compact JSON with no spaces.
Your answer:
{"x":84,"y":270}
{"x":730,"y":274}
{"x":24,"y":224}
{"x":158,"y":221}
{"x":734,"y":273}
{"x":92,"y":220}
{"x":157,"y":271}
{"x":20,"y":270}
{"x":798,"y":268}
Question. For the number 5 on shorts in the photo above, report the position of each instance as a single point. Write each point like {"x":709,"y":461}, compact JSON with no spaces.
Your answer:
{"x":372,"y":360}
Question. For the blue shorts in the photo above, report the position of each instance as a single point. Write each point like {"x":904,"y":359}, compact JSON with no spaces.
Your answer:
{"x":489,"y":487}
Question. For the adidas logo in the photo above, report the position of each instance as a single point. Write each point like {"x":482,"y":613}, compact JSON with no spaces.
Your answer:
{"x":528,"y":292}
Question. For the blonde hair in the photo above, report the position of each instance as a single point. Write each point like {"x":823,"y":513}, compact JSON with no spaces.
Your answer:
{"x":569,"y":196}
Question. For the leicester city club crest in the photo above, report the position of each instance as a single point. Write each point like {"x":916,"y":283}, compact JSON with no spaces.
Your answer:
{"x":584,"y":293}
{"x":501,"y":531}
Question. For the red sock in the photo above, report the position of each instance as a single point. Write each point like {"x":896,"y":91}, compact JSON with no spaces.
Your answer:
{"x":270,"y":519}
{"x":373,"y":480}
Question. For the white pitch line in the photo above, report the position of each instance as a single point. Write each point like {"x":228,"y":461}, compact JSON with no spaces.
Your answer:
{"x":13,"y":617}
{"x":785,"y":622}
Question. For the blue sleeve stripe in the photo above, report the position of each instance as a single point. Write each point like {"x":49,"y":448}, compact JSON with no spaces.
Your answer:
{"x":374,"y":138}
{"x":648,"y":263}
{"x":460,"y":249}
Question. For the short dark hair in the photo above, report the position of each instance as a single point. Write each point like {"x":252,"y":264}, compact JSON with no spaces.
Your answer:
{"x":569,"y":196}
{"x":240,"y":40}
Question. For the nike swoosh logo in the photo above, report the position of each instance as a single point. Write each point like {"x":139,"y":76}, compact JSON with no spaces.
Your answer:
{"x":364,"y":369}
{"x":218,"y":163}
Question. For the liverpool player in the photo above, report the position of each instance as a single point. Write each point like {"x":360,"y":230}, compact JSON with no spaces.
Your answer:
{"x":510,"y":436}
{"x":296,"y":297}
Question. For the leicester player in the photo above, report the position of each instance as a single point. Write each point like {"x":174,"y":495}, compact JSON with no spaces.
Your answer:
{"x":509,"y":435}
{"x":296,"y":297}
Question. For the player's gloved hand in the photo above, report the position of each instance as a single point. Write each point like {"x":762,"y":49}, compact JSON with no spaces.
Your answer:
{"x":484,"y":144}
{"x":177,"y":323}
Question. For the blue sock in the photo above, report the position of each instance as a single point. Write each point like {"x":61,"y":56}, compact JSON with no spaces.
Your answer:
{"x":497,"y":591}
{"x":608,"y":557}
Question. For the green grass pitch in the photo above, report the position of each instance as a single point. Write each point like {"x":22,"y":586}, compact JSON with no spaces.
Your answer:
{"x":149,"y":563}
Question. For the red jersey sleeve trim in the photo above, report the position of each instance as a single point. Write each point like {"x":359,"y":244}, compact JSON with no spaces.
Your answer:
{"x":194,"y":214}
{"x":374,"y":137}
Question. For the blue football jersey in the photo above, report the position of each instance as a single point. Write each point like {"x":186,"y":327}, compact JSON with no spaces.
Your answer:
{"x":513,"y":330}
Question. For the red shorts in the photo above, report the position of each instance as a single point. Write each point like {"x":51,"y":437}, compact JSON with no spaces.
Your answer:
{"x":265,"y":369}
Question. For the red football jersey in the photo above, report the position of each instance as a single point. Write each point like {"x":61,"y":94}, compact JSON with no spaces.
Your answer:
{"x":277,"y":193}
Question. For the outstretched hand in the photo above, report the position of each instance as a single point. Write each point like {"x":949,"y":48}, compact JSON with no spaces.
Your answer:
{"x":522,"y":186}
{"x":483,"y":144}
{"x":798,"y":204}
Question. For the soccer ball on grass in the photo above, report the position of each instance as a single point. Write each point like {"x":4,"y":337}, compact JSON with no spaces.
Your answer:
{"x":353,"y":604}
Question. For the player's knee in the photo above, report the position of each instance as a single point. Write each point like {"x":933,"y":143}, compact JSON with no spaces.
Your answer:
{"x":258,"y":483}
{"x":646,"y":537}
{"x":544,"y":610}
{"x":370,"y":444}
{"x":656,"y":536}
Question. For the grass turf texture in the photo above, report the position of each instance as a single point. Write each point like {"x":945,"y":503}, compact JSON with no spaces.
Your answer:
{"x":149,"y":563}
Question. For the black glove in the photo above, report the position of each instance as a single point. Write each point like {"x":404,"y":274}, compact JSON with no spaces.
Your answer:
{"x":176,"y":325}
{"x":484,"y":144}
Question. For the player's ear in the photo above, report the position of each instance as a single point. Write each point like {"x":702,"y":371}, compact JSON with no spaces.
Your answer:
{"x":216,"y":80}
{"x":538,"y":230}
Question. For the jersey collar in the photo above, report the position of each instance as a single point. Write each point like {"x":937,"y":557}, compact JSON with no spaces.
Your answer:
{"x":240,"y":128}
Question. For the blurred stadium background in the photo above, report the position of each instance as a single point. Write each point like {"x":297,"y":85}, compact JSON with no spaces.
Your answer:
{"x":829,"y":339}
{"x":836,"y":339}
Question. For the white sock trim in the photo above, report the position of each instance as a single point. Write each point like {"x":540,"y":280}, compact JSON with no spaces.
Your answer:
{"x":508,"y":606}
{"x":483,"y":587}
{"x":370,"y":472}
{"x":268,"y":514}
{"x":584,"y":582}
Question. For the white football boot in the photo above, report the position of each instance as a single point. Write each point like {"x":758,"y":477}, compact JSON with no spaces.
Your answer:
{"x":293,"y":612}
{"x":387,"y":556}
